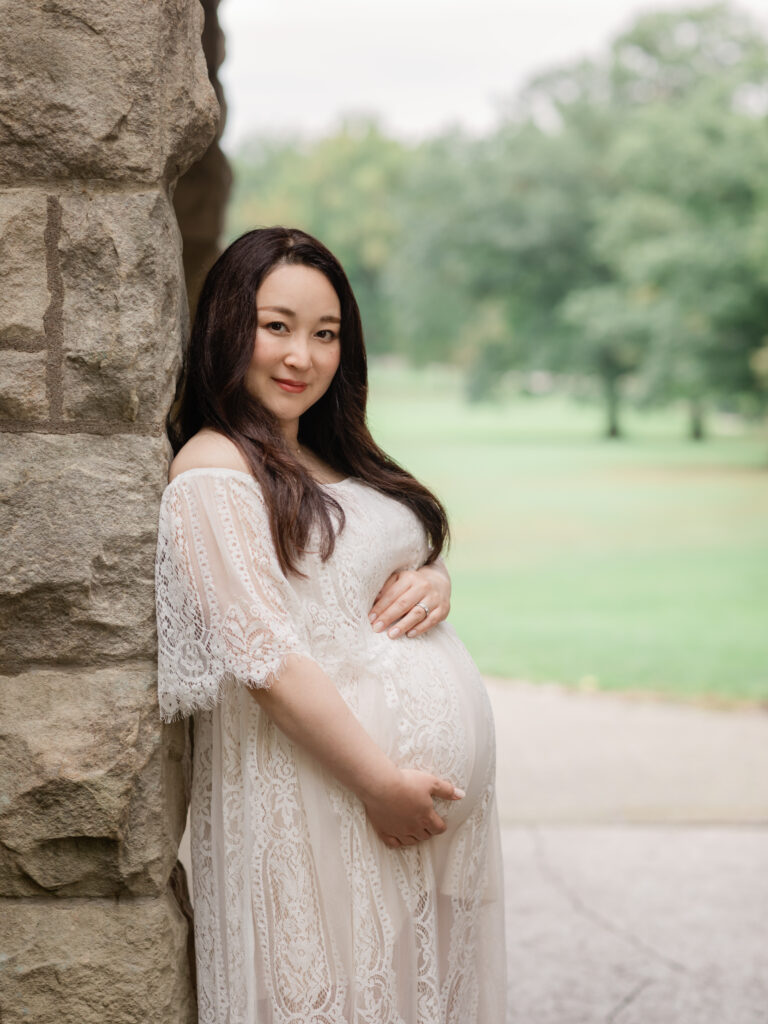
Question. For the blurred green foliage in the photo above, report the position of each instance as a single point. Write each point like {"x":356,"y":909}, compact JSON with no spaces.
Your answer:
{"x":613,"y":227}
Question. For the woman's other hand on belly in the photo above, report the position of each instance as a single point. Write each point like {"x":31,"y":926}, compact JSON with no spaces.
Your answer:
{"x":412,"y":601}
{"x":402,"y":812}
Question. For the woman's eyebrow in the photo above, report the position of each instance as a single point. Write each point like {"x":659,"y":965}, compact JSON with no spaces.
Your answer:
{"x":277,"y":309}
{"x":289,"y":312}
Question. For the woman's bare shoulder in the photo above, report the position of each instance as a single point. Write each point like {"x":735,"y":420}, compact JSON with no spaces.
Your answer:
{"x":207,"y":449}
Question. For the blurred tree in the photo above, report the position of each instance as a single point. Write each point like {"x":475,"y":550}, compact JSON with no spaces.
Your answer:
{"x":688,"y":180}
{"x":426,"y":281}
{"x":610,"y":339}
{"x":689,"y":295}
{"x":528,"y":241}
{"x":619,"y":199}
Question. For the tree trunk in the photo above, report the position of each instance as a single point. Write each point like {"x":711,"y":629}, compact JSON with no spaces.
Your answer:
{"x":611,"y":387}
{"x":696,"y":421}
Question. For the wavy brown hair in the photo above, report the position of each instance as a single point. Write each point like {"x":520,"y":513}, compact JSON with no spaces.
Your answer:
{"x":211,"y":392}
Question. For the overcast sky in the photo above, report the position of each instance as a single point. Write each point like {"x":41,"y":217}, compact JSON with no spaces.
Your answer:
{"x":297,"y":65}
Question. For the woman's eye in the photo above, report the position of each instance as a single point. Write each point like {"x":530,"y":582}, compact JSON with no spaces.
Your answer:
{"x":274,"y":325}
{"x":330,"y":335}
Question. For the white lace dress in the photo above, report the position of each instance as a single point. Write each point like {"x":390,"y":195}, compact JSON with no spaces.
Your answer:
{"x":302,"y":914}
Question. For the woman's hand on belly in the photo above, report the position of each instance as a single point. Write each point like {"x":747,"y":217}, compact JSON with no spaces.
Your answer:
{"x":402,"y":812}
{"x":399,"y":602}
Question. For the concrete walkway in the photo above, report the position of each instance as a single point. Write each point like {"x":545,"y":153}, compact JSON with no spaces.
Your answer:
{"x":637,"y":924}
{"x":636,"y":858}
{"x":569,"y":756}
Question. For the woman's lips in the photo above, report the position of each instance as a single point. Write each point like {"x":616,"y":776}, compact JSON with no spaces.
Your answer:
{"x":289,"y":386}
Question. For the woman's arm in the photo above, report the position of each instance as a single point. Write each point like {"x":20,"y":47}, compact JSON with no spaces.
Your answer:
{"x":399,"y":600}
{"x":304,"y":703}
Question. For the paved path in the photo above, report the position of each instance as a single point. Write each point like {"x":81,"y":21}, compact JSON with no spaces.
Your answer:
{"x":636,"y":858}
{"x":637,"y":924}
{"x":568,"y":756}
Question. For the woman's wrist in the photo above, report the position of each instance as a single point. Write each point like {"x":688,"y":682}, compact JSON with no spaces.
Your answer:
{"x":441,"y":567}
{"x":379,"y":783}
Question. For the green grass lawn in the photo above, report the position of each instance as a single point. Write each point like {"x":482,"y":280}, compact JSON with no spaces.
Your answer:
{"x":623,"y":565}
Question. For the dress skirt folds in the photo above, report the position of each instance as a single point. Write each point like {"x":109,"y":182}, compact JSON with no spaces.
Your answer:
{"x":302,"y":914}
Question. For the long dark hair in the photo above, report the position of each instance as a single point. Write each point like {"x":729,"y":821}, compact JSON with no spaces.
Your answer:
{"x":211,"y":392}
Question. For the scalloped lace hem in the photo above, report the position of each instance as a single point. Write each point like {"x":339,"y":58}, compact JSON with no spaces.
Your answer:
{"x":228,"y":682}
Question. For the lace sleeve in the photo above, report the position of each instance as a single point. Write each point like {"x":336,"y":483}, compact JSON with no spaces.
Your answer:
{"x":226,"y":614}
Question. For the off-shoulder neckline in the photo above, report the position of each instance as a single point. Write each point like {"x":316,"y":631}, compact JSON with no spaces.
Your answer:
{"x":219,"y":470}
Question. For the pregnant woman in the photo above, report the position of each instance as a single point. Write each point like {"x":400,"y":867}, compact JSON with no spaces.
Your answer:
{"x":346,"y":861}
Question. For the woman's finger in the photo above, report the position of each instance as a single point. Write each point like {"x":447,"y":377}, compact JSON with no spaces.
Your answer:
{"x":416,"y":621}
{"x":396,"y":604}
{"x":392,"y":578}
{"x":438,"y":826}
{"x":447,"y":790}
{"x":425,"y":622}
{"x":393,"y":589}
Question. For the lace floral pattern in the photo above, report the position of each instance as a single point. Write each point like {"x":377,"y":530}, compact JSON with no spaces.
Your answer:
{"x":302,"y":915}
{"x":225,"y":612}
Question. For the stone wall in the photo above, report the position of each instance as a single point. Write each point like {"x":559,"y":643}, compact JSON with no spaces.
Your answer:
{"x":102,"y":106}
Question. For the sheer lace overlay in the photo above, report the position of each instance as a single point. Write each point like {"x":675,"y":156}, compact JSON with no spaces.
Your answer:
{"x":225,"y":610}
{"x":302,"y":915}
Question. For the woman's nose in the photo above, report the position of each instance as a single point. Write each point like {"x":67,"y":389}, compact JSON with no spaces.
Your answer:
{"x":299,"y":353}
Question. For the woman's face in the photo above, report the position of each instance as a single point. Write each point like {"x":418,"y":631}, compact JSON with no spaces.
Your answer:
{"x":297,"y":340}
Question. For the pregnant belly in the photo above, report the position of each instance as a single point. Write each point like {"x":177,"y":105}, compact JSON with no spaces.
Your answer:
{"x":424,"y":702}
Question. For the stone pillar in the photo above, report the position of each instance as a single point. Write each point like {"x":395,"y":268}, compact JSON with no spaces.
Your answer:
{"x":102,"y":106}
{"x":201,"y":195}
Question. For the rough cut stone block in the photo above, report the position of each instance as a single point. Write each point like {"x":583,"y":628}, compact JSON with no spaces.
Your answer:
{"x":23,"y":275}
{"x":92,"y":783}
{"x":22,"y":386}
{"x":189,"y":93}
{"x":94,"y":962}
{"x":124,"y":306}
{"x":102,"y":90}
{"x":78,"y":527}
